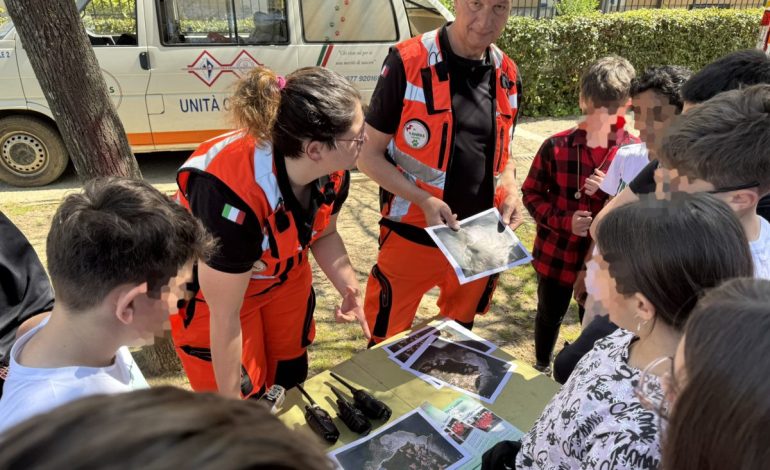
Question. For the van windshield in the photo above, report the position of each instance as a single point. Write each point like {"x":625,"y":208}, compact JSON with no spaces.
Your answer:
{"x":5,"y":20}
{"x":425,"y":15}
{"x":421,"y":4}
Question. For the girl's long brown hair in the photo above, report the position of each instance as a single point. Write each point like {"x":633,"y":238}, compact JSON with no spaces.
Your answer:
{"x":721,"y":416}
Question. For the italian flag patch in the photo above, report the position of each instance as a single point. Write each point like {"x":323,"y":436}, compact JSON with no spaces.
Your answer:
{"x":233,"y":215}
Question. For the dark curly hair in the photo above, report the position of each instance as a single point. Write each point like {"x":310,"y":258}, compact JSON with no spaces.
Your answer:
{"x":666,"y":80}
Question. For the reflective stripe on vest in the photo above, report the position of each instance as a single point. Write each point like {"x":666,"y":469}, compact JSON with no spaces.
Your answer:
{"x":201,"y":162}
{"x":417,"y":169}
{"x":414,"y":93}
{"x":264,"y":175}
{"x":430,"y":42}
{"x":266,"y":179}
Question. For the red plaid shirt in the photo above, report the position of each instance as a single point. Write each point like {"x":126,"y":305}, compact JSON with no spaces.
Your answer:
{"x":549,"y":197}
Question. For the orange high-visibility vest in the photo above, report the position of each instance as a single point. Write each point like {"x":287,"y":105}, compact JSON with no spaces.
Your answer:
{"x":422,"y":145}
{"x":247,"y":168}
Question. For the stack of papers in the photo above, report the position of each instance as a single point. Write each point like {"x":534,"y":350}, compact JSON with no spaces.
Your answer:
{"x":430,"y":438}
{"x":448,"y":355}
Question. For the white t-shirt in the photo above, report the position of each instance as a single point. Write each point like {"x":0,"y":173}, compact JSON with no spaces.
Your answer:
{"x":29,"y":391}
{"x":596,"y":421}
{"x":760,"y":251}
{"x":628,"y":162}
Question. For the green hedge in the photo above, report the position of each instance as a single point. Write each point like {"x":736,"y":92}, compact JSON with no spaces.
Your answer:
{"x":552,"y":53}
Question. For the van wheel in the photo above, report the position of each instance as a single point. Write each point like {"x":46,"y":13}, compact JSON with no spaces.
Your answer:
{"x":32,"y":152}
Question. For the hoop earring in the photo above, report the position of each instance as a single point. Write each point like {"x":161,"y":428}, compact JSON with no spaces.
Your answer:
{"x":641,"y":324}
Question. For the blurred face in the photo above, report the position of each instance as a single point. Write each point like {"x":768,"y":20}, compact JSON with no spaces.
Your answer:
{"x":598,"y":122}
{"x":668,"y":181}
{"x":479,"y":23}
{"x":652,"y":114}
{"x":349,"y":144}
{"x":742,"y":198}
{"x":152,"y":310}
{"x":604,"y":296}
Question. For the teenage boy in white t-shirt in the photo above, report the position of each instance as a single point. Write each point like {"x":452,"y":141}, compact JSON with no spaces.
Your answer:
{"x":655,"y":101}
{"x":120,"y":257}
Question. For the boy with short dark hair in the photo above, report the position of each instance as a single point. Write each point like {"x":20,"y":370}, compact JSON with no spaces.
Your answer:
{"x":721,"y":147}
{"x":120,"y":257}
{"x":561,"y":192}
{"x":655,"y":101}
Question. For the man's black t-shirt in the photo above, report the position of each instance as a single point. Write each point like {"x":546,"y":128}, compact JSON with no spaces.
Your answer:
{"x":469,"y":186}
{"x":644,"y":183}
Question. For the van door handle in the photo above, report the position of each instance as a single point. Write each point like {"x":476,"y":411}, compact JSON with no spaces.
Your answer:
{"x":144,"y":60}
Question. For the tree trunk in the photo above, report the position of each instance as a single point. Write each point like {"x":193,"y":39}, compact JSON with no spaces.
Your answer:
{"x":71,"y":79}
{"x":72,"y":82}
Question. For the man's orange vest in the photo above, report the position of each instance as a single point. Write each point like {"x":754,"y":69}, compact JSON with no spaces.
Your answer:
{"x":247,"y":168}
{"x":422,"y":145}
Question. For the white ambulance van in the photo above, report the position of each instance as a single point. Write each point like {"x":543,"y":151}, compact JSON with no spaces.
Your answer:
{"x":170,"y":65}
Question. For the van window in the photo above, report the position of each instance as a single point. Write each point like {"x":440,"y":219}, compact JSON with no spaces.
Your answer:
{"x":212,"y":22}
{"x":110,"y":23}
{"x":423,"y":16}
{"x":348,"y":21}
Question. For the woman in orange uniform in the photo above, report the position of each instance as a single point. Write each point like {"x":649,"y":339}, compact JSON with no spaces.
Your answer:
{"x":270,"y":191}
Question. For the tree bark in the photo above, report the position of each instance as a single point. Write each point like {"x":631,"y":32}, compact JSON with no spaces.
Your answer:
{"x":71,"y":79}
{"x":65,"y":65}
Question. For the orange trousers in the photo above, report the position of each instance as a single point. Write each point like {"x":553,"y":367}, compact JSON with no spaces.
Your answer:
{"x":404,"y":272}
{"x":277,"y":326}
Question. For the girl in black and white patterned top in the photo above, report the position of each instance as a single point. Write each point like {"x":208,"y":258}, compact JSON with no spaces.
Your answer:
{"x":655,"y":258}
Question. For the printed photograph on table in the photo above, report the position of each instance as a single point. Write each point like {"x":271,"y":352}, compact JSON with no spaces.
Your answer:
{"x":412,"y":337}
{"x":483,"y":246}
{"x":401,"y":357}
{"x":466,"y":370}
{"x":479,"y":427}
{"x":411,"y":442}
{"x":447,"y":329}
{"x":458,"y":430}
{"x":452,"y":331}
{"x":485,"y":420}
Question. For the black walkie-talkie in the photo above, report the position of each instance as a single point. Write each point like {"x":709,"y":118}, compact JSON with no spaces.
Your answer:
{"x":353,"y":418}
{"x":319,"y":420}
{"x":365,"y":401}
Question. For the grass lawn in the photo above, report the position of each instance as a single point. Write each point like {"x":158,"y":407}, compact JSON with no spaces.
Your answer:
{"x":509,"y":323}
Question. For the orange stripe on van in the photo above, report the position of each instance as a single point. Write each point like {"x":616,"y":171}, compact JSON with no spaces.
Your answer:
{"x":173,"y":138}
